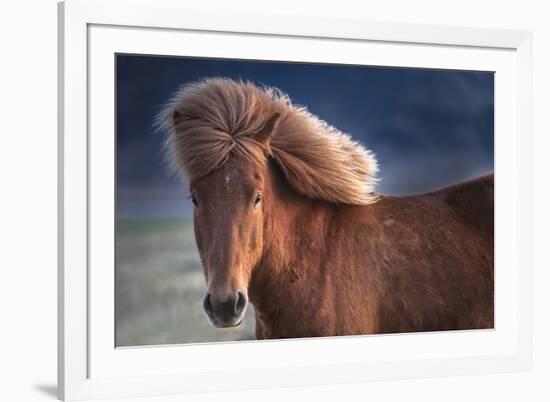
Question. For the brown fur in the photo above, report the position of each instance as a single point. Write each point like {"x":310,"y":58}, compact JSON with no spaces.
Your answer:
{"x":312,"y":266}
{"x":404,"y":264}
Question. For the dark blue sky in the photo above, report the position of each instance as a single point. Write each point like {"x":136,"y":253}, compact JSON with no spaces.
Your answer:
{"x":427,"y":127}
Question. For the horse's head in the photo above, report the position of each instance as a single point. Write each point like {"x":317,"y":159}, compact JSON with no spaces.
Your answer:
{"x":220,"y":132}
{"x":230,"y":203}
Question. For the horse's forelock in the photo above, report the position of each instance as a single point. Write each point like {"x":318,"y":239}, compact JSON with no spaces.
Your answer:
{"x":219,"y":117}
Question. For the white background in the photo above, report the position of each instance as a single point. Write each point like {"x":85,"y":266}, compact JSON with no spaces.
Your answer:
{"x":28,"y":198}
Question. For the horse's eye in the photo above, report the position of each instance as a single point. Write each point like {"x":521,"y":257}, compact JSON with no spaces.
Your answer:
{"x":257,"y":200}
{"x":194,"y":201}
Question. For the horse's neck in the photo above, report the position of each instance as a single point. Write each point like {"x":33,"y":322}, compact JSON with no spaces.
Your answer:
{"x":294,"y":249}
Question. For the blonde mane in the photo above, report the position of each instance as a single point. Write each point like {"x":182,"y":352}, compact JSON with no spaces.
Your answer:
{"x":219,"y":117}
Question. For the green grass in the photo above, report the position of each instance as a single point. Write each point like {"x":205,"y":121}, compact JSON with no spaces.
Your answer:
{"x":159,"y":285}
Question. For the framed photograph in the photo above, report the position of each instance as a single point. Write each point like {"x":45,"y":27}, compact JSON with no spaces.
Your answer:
{"x":252,"y":201}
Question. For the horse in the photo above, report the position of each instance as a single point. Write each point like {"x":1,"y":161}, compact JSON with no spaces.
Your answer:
{"x":286,"y":217}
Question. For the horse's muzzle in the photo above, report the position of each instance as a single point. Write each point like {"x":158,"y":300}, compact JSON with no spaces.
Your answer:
{"x":225,"y":310}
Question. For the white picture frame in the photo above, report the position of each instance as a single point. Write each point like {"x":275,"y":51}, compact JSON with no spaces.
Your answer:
{"x":90,"y":367}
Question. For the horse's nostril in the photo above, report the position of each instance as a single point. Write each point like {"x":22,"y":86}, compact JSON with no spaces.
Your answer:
{"x":225,"y":309}
{"x":241,"y":303}
{"x":207,"y":304}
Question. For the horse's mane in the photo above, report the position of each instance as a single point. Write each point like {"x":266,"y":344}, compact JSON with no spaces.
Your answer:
{"x":219,"y":117}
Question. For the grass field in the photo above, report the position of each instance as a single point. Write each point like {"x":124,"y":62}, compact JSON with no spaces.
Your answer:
{"x":159,"y":287}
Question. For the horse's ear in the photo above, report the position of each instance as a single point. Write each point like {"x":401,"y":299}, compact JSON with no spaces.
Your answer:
{"x":263,"y":136}
{"x":176,"y":117}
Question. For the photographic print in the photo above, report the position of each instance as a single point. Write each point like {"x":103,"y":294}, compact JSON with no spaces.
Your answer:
{"x":269,"y":200}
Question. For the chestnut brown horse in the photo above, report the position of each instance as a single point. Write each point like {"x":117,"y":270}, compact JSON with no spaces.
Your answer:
{"x":286,"y":217}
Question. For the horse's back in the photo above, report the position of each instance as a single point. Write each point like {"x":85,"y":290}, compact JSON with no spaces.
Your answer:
{"x":473,"y":202}
{"x":469,"y":203}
